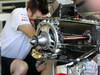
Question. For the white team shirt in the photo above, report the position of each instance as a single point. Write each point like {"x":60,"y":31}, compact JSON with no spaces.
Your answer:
{"x":14,"y":43}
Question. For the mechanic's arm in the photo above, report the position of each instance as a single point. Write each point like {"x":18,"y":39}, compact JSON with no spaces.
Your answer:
{"x":27,"y":29}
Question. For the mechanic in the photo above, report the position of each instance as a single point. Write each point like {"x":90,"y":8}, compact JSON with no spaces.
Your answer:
{"x":16,"y":35}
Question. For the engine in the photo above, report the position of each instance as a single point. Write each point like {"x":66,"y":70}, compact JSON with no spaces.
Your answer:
{"x":64,"y":38}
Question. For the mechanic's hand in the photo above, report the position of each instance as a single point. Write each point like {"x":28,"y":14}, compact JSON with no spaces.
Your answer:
{"x":40,"y":66}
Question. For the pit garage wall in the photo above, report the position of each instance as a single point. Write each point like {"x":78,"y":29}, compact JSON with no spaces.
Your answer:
{"x":0,"y":21}
{"x":6,"y":6}
{"x":0,"y":26}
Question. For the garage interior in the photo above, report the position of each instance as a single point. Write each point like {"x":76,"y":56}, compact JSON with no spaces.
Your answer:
{"x":75,"y":21}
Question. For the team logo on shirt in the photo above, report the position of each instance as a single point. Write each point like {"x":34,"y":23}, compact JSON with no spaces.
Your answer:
{"x":24,"y":18}
{"x":23,"y":14}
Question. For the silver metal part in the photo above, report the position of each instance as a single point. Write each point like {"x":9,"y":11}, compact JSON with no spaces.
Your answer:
{"x":50,"y":35}
{"x":43,"y":40}
{"x":47,"y":35}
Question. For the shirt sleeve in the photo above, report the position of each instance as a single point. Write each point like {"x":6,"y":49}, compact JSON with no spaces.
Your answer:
{"x":19,"y":17}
